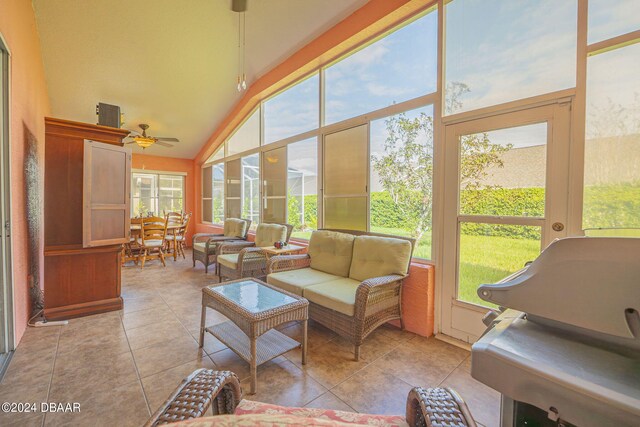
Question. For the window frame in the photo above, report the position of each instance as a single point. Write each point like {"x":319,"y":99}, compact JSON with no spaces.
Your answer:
{"x":158,"y":174}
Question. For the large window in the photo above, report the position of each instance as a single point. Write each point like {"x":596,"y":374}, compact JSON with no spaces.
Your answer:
{"x":302,"y":191}
{"x":251,"y":189}
{"x":366,"y":166}
{"x":293,"y":111}
{"x":217,"y":191}
{"x":610,"y":18}
{"x":402,"y":177}
{"x":499,"y":51}
{"x":156,"y":193}
{"x":396,"y":68}
{"x":247,"y":136}
{"x":612,"y":146}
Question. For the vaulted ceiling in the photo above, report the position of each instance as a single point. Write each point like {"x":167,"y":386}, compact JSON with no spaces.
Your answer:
{"x":171,"y":64}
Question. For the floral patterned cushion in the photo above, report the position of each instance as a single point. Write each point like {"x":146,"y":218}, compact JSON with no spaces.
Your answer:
{"x":249,"y":407}
{"x":263,"y":420}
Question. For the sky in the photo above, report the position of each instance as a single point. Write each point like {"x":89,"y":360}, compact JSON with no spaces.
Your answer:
{"x":502,"y":50}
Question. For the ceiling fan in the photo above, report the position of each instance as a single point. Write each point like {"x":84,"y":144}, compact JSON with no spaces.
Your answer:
{"x":143,"y":140}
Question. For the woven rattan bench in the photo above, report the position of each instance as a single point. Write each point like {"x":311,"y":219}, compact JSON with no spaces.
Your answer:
{"x":431,"y":407}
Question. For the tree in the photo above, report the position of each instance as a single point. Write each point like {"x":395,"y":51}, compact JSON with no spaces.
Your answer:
{"x":406,"y":168}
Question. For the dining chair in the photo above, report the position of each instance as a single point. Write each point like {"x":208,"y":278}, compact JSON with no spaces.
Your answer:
{"x":130,"y":250}
{"x":152,"y":234}
{"x":174,"y":217}
{"x":176,"y":238}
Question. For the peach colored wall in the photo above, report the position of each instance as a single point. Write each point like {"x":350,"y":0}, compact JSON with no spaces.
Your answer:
{"x":29,"y":105}
{"x":168,"y":164}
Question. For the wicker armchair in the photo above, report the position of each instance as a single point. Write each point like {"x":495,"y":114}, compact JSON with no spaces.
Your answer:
{"x":440,"y":407}
{"x":246,"y":259}
{"x":194,"y":396}
{"x":377,"y":299}
{"x":205,"y":245}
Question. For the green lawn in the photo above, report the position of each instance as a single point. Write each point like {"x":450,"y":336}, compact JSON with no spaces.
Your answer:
{"x":483,"y":259}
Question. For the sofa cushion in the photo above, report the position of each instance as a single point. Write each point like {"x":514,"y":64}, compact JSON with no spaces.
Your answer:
{"x":375,"y":256}
{"x":331,"y":251}
{"x":268,"y":234}
{"x":234,"y":227}
{"x":229,"y":260}
{"x":338,"y":295}
{"x":295,"y":281}
{"x":201,"y":247}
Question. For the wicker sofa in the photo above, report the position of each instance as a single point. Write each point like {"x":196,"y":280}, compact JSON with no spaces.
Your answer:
{"x":220,"y":391}
{"x":206,"y":245}
{"x":245,"y":259}
{"x":353,"y":280}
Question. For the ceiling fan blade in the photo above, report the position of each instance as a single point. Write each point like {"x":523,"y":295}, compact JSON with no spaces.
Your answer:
{"x":164,"y":144}
{"x":134,"y":133}
{"x":130,"y":142}
{"x":162,"y":138}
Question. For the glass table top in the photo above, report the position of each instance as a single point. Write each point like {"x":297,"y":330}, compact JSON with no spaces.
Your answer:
{"x":253,"y":296}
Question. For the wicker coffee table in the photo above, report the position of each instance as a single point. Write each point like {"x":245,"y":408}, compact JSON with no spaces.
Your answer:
{"x":254,"y":309}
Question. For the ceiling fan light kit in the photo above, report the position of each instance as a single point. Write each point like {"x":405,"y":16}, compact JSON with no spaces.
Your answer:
{"x":144,"y":141}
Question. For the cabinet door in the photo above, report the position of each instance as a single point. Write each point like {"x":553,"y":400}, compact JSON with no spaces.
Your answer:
{"x":107,"y":183}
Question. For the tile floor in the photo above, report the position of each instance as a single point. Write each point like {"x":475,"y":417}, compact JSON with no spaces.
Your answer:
{"x":121,"y":366}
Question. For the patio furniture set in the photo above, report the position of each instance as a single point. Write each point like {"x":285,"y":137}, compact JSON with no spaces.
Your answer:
{"x":348,"y":281}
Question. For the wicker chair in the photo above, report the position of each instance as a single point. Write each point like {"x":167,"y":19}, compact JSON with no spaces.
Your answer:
{"x":245,"y":259}
{"x":377,"y":299}
{"x":205,"y":245}
{"x":440,"y":407}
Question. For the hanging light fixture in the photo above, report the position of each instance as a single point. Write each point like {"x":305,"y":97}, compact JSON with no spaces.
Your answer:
{"x":240,"y":6}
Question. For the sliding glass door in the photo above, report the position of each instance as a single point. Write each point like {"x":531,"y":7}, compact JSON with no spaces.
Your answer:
{"x":6,"y":297}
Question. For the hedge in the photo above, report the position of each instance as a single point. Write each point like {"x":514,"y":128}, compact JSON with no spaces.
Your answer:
{"x":605,"y":206}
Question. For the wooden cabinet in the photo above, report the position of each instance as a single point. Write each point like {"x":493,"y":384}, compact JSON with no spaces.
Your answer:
{"x":87,"y":180}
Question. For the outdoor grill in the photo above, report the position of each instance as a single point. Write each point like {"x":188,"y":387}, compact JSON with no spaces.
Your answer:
{"x":564,"y":348}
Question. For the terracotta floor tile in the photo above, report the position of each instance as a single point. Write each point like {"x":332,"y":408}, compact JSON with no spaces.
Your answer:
{"x":156,"y":333}
{"x":483,"y":401}
{"x":80,"y":371}
{"x":317,"y":335}
{"x":374,"y":391}
{"x":329,"y":401}
{"x":211,"y":343}
{"x":166,"y":355}
{"x":101,"y":339}
{"x":227,"y":360}
{"x":152,"y":301}
{"x":136,"y":319}
{"x":28,"y":369}
{"x":283,"y":383}
{"x":22,"y":419}
{"x":40,"y":339}
{"x":96,"y":366}
{"x":159,"y":386}
{"x":329,"y":364}
{"x":124,"y":405}
{"x":376,"y":345}
{"x":417,"y":368}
